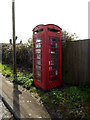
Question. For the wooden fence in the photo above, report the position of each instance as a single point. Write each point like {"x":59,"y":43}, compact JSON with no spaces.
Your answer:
{"x":76,"y":62}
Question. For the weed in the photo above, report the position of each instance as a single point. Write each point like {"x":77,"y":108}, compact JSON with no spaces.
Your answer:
{"x":6,"y":70}
{"x":72,"y":101}
{"x":23,"y":79}
{"x":26,"y":80}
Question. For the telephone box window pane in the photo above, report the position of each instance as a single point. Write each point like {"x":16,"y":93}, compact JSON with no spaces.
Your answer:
{"x":38,"y":62}
{"x":50,"y":68}
{"x":56,"y":45}
{"x":38,"y":39}
{"x":53,"y":50}
{"x":38,"y":45}
{"x":38,"y":67}
{"x":38,"y":56}
{"x":37,"y":77}
{"x":49,"y":56}
{"x":54,"y":39}
{"x":38,"y":73}
{"x":54,"y":56}
{"x":37,"y":50}
{"x":49,"y":62}
{"x":54,"y":67}
{"x":52,"y":62}
{"x":53,"y":45}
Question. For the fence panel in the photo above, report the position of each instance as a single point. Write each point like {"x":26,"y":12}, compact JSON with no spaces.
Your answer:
{"x":76,"y":65}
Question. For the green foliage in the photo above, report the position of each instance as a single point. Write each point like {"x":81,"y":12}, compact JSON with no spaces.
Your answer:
{"x":7,"y":53}
{"x":6,"y":73}
{"x":6,"y":70}
{"x":73,"y":99}
{"x":0,"y":67}
{"x":26,"y":80}
{"x":33,"y":89}
{"x":66,"y":36}
{"x":78,"y":94}
{"x":23,"y":79}
{"x":28,"y":83}
{"x":23,"y":54}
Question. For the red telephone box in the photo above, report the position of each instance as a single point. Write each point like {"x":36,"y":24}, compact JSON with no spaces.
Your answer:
{"x":47,"y":56}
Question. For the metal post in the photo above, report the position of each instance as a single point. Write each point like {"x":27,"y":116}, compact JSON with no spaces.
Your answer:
{"x":14,"y":38}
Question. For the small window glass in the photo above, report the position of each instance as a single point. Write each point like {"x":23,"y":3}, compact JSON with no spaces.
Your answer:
{"x":53,"y":50}
{"x":53,"y":45}
{"x":50,"y":68}
{"x":37,"y":72}
{"x":38,"y":56}
{"x":38,"y":45}
{"x":54,"y":56}
{"x":54,"y":39}
{"x":38,"y":62}
{"x":37,"y":50}
{"x":52,"y":62}
{"x":39,"y":39}
{"x":38,"y":67}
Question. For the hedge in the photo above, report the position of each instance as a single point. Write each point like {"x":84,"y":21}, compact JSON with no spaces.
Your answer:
{"x":23,"y":55}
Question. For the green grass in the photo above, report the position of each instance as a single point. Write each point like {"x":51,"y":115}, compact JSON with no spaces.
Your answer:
{"x":71,"y":101}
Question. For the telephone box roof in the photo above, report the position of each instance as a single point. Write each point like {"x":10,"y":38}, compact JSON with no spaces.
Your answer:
{"x":41,"y":26}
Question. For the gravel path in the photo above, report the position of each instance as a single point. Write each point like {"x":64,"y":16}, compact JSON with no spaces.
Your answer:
{"x":4,"y":112}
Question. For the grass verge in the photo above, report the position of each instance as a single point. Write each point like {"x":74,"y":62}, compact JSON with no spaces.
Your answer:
{"x":26,"y":80}
{"x":65,"y":103}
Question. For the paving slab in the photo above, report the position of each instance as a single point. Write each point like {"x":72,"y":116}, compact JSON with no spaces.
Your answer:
{"x":21,"y":102}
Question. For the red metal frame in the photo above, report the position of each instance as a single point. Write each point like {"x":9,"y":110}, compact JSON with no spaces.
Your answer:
{"x":47,"y":56}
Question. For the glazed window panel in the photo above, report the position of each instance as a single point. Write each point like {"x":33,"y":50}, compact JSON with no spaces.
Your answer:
{"x":52,"y":62}
{"x":54,"y":56}
{"x":53,"y":50}
{"x":37,"y":50}
{"x":53,"y":67}
{"x":38,"y":56}
{"x":53,"y":39}
{"x":38,"y":45}
{"x":38,"y":62}
{"x":38,"y":73}
{"x":38,"y":67}
{"x":39,"y":39}
{"x":38,"y":78}
{"x":55,"y":45}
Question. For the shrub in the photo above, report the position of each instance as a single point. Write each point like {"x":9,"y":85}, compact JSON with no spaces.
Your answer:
{"x":6,"y":70}
{"x":23,"y":55}
{"x":23,"y":79}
